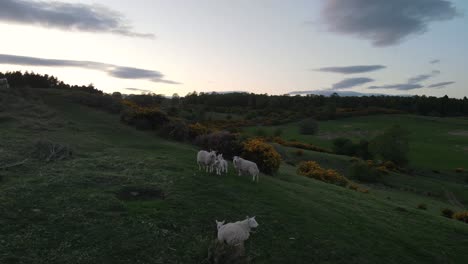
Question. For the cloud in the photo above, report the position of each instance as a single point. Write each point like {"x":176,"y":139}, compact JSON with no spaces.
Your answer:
{"x":434,"y":61}
{"x":67,"y":16}
{"x":116,"y":71}
{"x":353,"y":69}
{"x":440,"y":85}
{"x":423,"y":77}
{"x":385,"y":22}
{"x":401,"y":87}
{"x":351,"y":82}
{"x":138,"y":90}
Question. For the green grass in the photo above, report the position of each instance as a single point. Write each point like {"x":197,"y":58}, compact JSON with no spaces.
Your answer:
{"x":68,"y":211}
{"x":435,"y":143}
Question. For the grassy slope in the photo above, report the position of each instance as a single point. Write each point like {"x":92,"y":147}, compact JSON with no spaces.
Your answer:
{"x":432,"y":145}
{"x":80,"y":220}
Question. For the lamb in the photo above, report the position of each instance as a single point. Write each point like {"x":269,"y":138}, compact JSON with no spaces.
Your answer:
{"x":219,"y":224}
{"x":246,"y":166}
{"x":235,"y":234}
{"x":206,"y":160}
{"x":221,"y":165}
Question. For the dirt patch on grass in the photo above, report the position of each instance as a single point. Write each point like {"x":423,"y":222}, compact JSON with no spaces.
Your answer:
{"x":140,"y":194}
{"x":459,"y":133}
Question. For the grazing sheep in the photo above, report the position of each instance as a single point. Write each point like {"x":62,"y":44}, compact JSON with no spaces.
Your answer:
{"x":219,"y":224}
{"x":206,"y":160}
{"x":221,"y":165}
{"x":235,"y":234}
{"x":246,"y":166}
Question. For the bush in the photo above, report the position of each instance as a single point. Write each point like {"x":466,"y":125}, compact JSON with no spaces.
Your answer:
{"x":299,"y":153}
{"x":313,"y":170}
{"x":176,"y":130}
{"x":300,"y":145}
{"x":262,"y":153}
{"x":261,"y":132}
{"x":197,"y":129}
{"x":143,"y":118}
{"x":364,"y":172}
{"x":392,"y":145}
{"x":447,"y":212}
{"x":278,"y":132}
{"x":344,"y":146}
{"x":422,"y":206}
{"x":309,"y":127}
{"x":224,"y":142}
{"x":459,"y":170}
{"x":461,"y":216}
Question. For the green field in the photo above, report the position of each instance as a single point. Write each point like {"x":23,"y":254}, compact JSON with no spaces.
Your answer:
{"x":435,"y":143}
{"x":80,"y":210}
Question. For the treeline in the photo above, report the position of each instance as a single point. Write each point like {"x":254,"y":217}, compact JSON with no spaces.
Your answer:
{"x":33,"y":80}
{"x":331,"y":107}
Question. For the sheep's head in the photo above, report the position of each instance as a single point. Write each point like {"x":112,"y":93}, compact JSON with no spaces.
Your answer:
{"x":212,"y":156}
{"x":235,"y":160}
{"x":252,"y":222}
{"x":219,"y":224}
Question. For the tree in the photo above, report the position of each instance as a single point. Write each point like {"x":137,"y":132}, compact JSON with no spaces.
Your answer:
{"x":392,"y":145}
{"x":309,"y":126}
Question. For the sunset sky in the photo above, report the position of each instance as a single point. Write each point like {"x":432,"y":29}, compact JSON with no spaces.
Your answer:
{"x":260,"y":46}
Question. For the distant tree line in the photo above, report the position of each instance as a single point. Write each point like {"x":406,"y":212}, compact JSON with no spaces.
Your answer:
{"x":34,"y":80}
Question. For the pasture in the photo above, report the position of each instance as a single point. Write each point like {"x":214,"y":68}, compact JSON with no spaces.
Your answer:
{"x":435,"y":143}
{"x":128,"y":196}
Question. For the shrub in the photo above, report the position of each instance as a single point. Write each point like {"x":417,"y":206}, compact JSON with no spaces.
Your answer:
{"x":278,"y":132}
{"x":313,"y":170}
{"x":224,"y":142}
{"x":260,"y":132}
{"x":299,"y":153}
{"x":262,"y":153}
{"x":392,"y":145}
{"x":363,"y":172}
{"x":176,"y":130}
{"x":197,"y":129}
{"x":447,"y":212}
{"x":459,"y":170}
{"x":309,"y":127}
{"x":344,"y":146}
{"x":142,"y":117}
{"x":300,"y":145}
{"x":422,"y":206}
{"x":461,"y":216}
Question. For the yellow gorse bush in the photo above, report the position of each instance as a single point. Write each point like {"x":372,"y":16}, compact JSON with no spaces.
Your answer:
{"x":312,"y":169}
{"x":262,"y":153}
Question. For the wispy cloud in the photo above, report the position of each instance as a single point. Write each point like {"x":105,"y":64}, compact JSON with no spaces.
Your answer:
{"x":423,"y":77}
{"x":138,"y":90}
{"x":440,"y":85}
{"x":434,"y":61}
{"x":352,"y":69}
{"x":121,"y":72}
{"x":401,"y":87}
{"x":385,"y":22}
{"x":350,"y":83}
{"x":67,"y":16}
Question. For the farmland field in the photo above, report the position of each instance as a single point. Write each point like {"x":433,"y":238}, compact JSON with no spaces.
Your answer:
{"x":82,"y":210}
{"x":435,"y":143}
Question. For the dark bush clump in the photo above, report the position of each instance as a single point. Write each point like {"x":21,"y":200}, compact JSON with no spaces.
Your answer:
{"x":422,"y":206}
{"x":447,"y":212}
{"x":49,"y":151}
{"x":461,"y":216}
{"x":176,"y":130}
{"x":363,"y":172}
{"x":309,"y":127}
{"x":223,"y":142}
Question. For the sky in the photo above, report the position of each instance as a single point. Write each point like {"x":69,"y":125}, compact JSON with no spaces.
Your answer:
{"x":393,"y":47}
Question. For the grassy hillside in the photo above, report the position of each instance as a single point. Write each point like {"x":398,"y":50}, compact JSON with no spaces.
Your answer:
{"x":128,"y":196}
{"x":435,"y":143}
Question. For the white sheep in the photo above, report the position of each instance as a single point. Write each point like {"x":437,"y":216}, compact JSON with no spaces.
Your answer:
{"x":235,"y":234}
{"x":206,"y":160}
{"x":219,"y":224}
{"x":221,"y":165}
{"x":246,"y":166}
